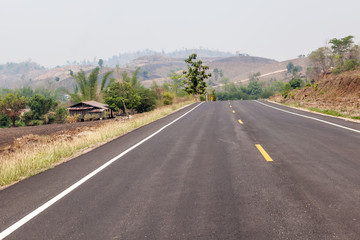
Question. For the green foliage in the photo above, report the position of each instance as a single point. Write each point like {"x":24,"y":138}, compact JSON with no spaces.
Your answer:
{"x":349,"y":65}
{"x":122,"y":93}
{"x":316,"y":86}
{"x":5,"y":121}
{"x":147,"y":100}
{"x":101,"y":62}
{"x":167,"y":98}
{"x":289,"y":67}
{"x":296,"y":83}
{"x":343,"y":56}
{"x":341,"y":46}
{"x":287,"y":89}
{"x":60,"y":114}
{"x":27,"y":117}
{"x":254,"y":88}
{"x":255,"y":77}
{"x":195,"y":76}
{"x":176,"y":82}
{"x":133,"y":80}
{"x":87,"y":117}
{"x":88,"y":87}
{"x":12,"y":105}
{"x":40,"y":105}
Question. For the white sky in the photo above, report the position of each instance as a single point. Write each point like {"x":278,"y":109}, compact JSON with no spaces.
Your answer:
{"x":51,"y":32}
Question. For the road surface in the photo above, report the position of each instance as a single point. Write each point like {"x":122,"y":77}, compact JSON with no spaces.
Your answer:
{"x":201,"y":176}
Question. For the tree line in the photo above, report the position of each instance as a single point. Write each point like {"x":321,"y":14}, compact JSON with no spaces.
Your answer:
{"x":122,"y":94}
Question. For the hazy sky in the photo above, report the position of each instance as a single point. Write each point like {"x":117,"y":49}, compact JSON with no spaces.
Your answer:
{"x":51,"y":32}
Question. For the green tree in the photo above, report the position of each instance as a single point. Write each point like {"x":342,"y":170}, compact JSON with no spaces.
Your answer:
{"x":255,"y":76}
{"x":147,"y":100}
{"x":40,"y":105}
{"x":176,"y":81}
{"x":341,"y":47}
{"x":88,"y":87}
{"x":133,"y":80}
{"x":195,"y":76}
{"x":122,"y":96}
{"x":60,"y":114}
{"x":12,"y":105}
{"x":254,"y":88}
{"x":4,"y":121}
{"x":296,"y":83}
{"x":289,"y":67}
{"x":101,"y":62}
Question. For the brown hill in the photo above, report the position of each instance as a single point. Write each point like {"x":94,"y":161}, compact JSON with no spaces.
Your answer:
{"x":239,"y":68}
{"x":153,"y":68}
{"x":339,"y":92}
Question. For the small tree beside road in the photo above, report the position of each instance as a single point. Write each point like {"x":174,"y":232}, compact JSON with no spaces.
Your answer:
{"x":195,"y":76}
{"x":12,"y":106}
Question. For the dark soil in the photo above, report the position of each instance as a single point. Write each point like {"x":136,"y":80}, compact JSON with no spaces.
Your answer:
{"x":8,"y":135}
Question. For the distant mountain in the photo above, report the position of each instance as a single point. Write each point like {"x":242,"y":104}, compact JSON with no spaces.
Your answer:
{"x":13,"y":75}
{"x":156,"y":67}
{"x":125,"y":58}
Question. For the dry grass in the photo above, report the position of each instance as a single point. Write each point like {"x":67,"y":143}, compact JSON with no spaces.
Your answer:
{"x":38,"y":153}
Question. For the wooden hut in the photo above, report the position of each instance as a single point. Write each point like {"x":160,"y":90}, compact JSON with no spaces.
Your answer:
{"x":91,"y":107}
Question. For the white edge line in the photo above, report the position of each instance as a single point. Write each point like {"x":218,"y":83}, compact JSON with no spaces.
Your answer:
{"x":316,"y":119}
{"x":40,"y":209}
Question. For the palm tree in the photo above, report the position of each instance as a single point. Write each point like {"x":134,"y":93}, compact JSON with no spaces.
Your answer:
{"x":88,"y":87}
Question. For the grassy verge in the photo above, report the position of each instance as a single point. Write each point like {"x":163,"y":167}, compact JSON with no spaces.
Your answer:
{"x":330,"y":112}
{"x":46,"y":152}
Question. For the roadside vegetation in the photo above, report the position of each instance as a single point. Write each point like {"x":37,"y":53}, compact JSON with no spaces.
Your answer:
{"x":333,"y":82}
{"x":43,"y":152}
{"x":32,"y":154}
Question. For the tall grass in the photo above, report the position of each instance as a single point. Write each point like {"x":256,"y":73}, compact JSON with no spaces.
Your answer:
{"x":45,"y":152}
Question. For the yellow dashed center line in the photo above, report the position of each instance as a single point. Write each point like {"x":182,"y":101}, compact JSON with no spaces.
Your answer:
{"x":264,"y":153}
{"x":233,"y":111}
{"x":230,"y":106}
{"x":241,"y":122}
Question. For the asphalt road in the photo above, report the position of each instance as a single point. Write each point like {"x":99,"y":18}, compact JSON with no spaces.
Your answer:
{"x":202,"y":177}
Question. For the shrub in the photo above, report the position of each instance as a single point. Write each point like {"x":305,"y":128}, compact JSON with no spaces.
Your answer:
{"x":147,"y":100}
{"x":37,"y":122}
{"x":50,"y":117}
{"x":168,"y":98}
{"x":60,"y":114}
{"x":202,"y":98}
{"x":72,"y":119}
{"x":296,"y":83}
{"x":94,"y":117}
{"x":316,"y":87}
{"x":19,"y":123}
{"x":27,"y":118}
{"x":87,"y":117}
{"x":4,"y":121}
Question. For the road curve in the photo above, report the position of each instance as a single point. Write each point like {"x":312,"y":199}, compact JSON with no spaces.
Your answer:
{"x":204,"y":177}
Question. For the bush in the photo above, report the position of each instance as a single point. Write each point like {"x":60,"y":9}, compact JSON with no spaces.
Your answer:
{"x":72,"y":119}
{"x":168,"y":98}
{"x":296,"y":83}
{"x":147,"y":100}
{"x":5,"y":121}
{"x":27,"y":118}
{"x":87,"y":117}
{"x":202,"y":98}
{"x":50,"y":117}
{"x":60,"y":114}
{"x":19,"y":123}
{"x":36,"y":122}
{"x":94,"y":117}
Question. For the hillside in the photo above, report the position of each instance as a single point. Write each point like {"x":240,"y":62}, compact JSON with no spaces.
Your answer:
{"x":152,"y":68}
{"x":239,"y":68}
{"x":339,"y":92}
